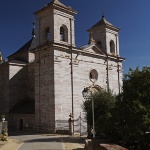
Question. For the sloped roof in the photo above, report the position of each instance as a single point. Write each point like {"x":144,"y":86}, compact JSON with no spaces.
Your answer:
{"x":57,"y":3}
{"x":25,"y":107}
{"x":104,"y":22}
{"x":29,"y":45}
{"x":17,"y":61}
{"x":92,"y":46}
{"x":86,"y":46}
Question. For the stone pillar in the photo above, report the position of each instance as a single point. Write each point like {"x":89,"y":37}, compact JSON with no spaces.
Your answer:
{"x":70,"y":124}
{"x":4,"y":131}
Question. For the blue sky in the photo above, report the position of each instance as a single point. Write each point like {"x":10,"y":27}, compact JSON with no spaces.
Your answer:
{"x":131,"y":16}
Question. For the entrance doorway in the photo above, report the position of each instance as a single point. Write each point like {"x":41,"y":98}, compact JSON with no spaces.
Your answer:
{"x":21,"y":125}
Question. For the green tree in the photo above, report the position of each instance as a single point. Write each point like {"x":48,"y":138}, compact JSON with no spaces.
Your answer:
{"x":131,"y":113}
{"x":103,"y":103}
{"x":125,"y":117}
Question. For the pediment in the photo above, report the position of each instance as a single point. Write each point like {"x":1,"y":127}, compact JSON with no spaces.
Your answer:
{"x":93,"y":49}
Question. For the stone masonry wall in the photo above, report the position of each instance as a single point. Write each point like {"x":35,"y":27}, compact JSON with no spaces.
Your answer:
{"x":31,"y":57}
{"x":4,"y":89}
{"x":114,"y":82}
{"x":53,"y":100}
{"x":17,"y":84}
{"x":28,"y":122}
{"x":112,"y":35}
{"x":60,"y":19}
{"x":54,"y":19}
{"x":30,"y":81}
{"x":45,"y":21}
{"x":44,"y":91}
{"x":81,"y":70}
{"x":99,"y":35}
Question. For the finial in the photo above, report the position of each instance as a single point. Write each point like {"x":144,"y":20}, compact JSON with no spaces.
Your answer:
{"x":103,"y":14}
{"x":33,"y":30}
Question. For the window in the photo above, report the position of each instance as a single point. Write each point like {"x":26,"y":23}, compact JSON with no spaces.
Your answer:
{"x":93,"y":75}
{"x":62,"y":34}
{"x":112,"y":47}
{"x":47,"y":34}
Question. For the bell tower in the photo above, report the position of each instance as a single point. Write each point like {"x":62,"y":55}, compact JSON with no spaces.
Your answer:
{"x":55,"y":23}
{"x":105,"y":36}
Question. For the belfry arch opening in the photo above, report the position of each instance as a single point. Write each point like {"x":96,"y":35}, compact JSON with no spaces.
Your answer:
{"x":63,"y":33}
{"x":112,"y":47}
{"x":47,"y":31}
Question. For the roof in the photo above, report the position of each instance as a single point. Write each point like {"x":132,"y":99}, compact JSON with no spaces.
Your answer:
{"x":24,"y":107}
{"x":29,"y":45}
{"x":86,"y":46}
{"x":17,"y":61}
{"x":92,"y":46}
{"x":57,"y":3}
{"x":104,"y":22}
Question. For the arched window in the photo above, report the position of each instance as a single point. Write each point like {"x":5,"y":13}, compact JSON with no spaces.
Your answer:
{"x":112,"y":47}
{"x":62,"y":34}
{"x":93,"y":75}
{"x":47,"y":34}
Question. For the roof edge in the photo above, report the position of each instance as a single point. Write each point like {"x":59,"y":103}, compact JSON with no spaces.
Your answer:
{"x":56,"y":5}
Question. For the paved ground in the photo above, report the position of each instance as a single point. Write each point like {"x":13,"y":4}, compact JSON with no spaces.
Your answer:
{"x":11,"y":144}
{"x":44,"y":142}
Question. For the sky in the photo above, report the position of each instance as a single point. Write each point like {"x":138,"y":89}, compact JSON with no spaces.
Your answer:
{"x":131,"y":16}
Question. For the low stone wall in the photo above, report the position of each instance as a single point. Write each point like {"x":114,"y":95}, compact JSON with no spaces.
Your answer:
{"x":98,"y":145}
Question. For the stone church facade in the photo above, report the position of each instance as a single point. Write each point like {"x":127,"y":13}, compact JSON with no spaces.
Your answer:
{"x":43,"y":81}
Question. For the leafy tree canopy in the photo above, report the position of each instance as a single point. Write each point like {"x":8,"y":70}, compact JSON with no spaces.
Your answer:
{"x":103,"y":103}
{"x":132,"y":110}
{"x":125,"y":117}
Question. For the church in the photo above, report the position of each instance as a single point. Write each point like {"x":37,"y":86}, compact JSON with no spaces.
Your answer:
{"x":42,"y":82}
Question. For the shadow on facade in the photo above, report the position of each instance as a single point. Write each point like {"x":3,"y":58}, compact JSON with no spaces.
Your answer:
{"x":21,"y":101}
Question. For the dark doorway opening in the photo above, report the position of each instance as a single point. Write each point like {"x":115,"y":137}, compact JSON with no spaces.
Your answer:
{"x":21,"y":125}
